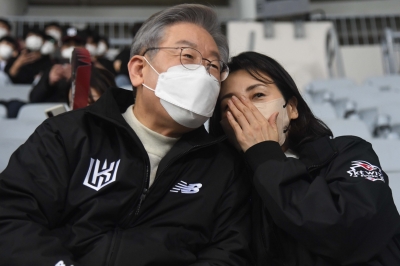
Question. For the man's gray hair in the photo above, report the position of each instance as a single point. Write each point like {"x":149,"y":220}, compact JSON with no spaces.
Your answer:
{"x":152,"y":30}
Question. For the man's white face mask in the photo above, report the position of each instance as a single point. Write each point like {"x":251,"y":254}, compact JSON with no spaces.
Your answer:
{"x":188,"y":96}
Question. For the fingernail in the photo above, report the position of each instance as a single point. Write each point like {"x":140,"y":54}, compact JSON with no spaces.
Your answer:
{"x":243,"y":98}
{"x":234,"y":98}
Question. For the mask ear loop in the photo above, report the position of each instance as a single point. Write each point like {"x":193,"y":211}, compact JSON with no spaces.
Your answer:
{"x":151,"y":65}
{"x":287,"y":129}
{"x":154,"y":71}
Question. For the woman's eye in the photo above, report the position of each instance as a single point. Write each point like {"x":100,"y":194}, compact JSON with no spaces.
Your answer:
{"x":258,"y":95}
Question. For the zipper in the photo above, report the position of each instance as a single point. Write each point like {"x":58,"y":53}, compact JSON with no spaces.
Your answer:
{"x":146,"y":192}
{"x":313,"y":167}
{"x":111,"y":256}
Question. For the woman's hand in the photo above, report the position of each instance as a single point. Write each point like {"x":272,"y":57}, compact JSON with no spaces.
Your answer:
{"x":249,"y":125}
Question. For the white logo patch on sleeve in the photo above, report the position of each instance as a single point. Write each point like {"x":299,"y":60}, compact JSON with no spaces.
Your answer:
{"x":186,"y":188}
{"x":366,"y":170}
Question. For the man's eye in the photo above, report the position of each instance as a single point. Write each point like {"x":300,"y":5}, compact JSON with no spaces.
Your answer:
{"x":214,"y":66}
{"x":188,"y":56}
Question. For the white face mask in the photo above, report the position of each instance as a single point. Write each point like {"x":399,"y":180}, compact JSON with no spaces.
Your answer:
{"x":282,"y":121}
{"x":34,"y":43}
{"x":92,"y":49}
{"x":6,"y":51}
{"x":55,"y":34}
{"x":48,"y":48}
{"x":67,"y":52}
{"x":266,"y":109}
{"x":3,"y":32}
{"x":101,"y":48}
{"x":188,"y":96}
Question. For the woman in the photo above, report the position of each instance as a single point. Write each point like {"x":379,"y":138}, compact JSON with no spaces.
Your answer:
{"x":317,"y":200}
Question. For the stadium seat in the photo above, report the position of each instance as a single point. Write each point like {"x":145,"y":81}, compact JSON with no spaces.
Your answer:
{"x":329,"y":84}
{"x":3,"y":111}
{"x":34,"y":111}
{"x":390,"y":82}
{"x":8,"y":146}
{"x":341,"y":127}
{"x":388,"y":152}
{"x":323,"y":110}
{"x":17,"y":129}
{"x":394,"y":184}
{"x":15,"y":92}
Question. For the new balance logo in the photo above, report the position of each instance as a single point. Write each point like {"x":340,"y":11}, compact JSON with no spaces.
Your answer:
{"x":186,"y":188}
{"x":97,"y":178}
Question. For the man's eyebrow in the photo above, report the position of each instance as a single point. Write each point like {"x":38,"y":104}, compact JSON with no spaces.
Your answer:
{"x":193,"y":45}
{"x":249,"y":88}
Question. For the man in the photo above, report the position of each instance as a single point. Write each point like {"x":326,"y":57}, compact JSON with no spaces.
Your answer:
{"x":144,"y":184}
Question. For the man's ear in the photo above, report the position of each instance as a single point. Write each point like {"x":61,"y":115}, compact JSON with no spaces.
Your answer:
{"x":135,"y":68}
{"x":292,"y":108}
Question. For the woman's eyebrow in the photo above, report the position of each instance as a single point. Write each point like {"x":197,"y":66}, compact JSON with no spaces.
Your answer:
{"x":249,"y":88}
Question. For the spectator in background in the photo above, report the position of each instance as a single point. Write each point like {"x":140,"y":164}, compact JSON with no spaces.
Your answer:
{"x":92,"y":44}
{"x":24,"y":68}
{"x":5,"y":27}
{"x":102,"y":47}
{"x":55,"y":82}
{"x":100,"y":80}
{"x":49,"y":48}
{"x":121,"y":62}
{"x":55,"y":30}
{"x":8,"y":50}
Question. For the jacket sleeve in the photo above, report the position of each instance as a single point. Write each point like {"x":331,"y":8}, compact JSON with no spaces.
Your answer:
{"x":333,"y":213}
{"x":42,"y":90}
{"x":32,"y":192}
{"x":232,"y":229}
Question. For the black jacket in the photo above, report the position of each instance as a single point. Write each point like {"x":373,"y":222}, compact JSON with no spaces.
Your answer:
{"x":27,"y":73}
{"x":76,"y":191}
{"x":333,"y":206}
{"x":44,"y":92}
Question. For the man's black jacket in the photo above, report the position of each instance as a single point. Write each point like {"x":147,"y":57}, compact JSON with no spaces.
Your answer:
{"x":331,"y":207}
{"x":76,"y":193}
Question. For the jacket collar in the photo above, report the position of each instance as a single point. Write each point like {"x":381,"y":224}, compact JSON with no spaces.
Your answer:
{"x":115,"y":101}
{"x":317,"y":153}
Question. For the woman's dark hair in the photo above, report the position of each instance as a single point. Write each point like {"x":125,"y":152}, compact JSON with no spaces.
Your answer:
{"x":11,"y":41}
{"x":265,"y":69}
{"x":101,"y":79}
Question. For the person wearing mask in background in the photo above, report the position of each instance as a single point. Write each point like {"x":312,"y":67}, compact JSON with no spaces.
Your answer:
{"x":102,"y":47}
{"x":317,"y":200}
{"x":49,"y":48}
{"x":55,"y":82}
{"x":30,"y":62}
{"x":121,"y":62}
{"x":8,"y":50}
{"x":5,"y":28}
{"x":100,"y":81}
{"x":135,"y":181}
{"x":92,"y":45}
{"x":55,"y":30}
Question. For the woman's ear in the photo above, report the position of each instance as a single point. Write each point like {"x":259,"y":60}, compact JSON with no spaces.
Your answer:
{"x":135,"y":68}
{"x":292,"y":108}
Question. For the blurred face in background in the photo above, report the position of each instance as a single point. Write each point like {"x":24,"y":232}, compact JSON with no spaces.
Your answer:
{"x":7,"y":50}
{"x":33,"y":42}
{"x":54,"y":32}
{"x":4,"y":30}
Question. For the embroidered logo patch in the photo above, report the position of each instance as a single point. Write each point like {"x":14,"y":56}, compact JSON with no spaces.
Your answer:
{"x":366,"y":170}
{"x":97,"y":178}
{"x":186,"y":188}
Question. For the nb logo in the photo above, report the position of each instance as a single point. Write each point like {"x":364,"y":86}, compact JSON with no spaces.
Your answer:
{"x":186,"y":188}
{"x":97,"y":178}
